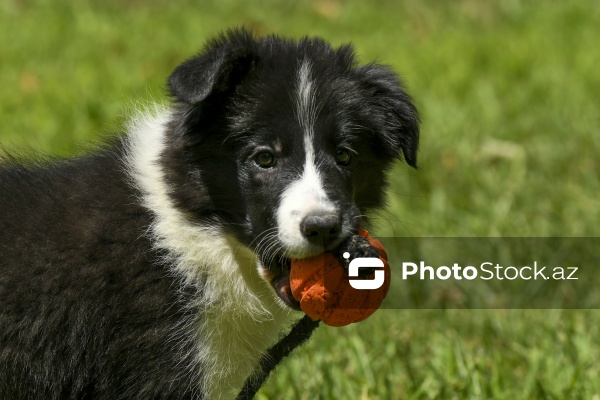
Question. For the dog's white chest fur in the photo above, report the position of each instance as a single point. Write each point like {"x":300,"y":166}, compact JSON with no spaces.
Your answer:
{"x":241,"y":315}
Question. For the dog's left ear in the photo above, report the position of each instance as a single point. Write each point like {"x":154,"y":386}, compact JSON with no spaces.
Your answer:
{"x":394,"y":110}
{"x":217,"y":70}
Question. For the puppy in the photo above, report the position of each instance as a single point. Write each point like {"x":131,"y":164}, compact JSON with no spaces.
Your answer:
{"x":158,"y":266}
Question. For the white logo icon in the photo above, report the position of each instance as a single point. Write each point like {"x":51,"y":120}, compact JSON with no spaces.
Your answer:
{"x":365,"y":262}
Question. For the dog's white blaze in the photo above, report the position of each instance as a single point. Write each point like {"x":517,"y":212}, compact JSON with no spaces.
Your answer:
{"x":305,"y":104}
{"x":305,"y":195}
{"x":242,"y":316}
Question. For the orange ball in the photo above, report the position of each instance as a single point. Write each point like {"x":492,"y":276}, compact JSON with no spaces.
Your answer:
{"x":322,"y":287}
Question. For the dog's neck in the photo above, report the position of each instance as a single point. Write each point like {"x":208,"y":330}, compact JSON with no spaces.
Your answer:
{"x":239,"y":315}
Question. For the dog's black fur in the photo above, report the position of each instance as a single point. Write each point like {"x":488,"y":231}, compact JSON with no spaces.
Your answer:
{"x":85,"y":306}
{"x":94,"y":304}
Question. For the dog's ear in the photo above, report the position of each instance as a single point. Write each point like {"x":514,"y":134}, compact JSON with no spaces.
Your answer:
{"x":216,"y":70}
{"x":394,"y":110}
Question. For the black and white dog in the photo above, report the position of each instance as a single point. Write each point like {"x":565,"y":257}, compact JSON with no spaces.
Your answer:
{"x":157,"y":267}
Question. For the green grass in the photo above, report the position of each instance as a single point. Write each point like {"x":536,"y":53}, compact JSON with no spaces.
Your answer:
{"x":457,"y":354}
{"x":509,"y":94}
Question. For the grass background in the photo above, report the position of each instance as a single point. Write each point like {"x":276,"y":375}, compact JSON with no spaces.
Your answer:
{"x":509,"y":93}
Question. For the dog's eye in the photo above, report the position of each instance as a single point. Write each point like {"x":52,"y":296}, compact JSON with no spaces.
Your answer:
{"x":264,"y":159}
{"x":342,"y":156}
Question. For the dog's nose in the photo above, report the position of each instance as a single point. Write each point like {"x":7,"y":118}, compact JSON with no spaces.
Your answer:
{"x":322,"y":228}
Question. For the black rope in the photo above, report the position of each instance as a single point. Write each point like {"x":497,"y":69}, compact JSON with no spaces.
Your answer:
{"x":299,"y":334}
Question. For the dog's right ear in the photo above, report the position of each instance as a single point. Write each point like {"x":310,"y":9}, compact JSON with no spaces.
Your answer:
{"x":217,"y":70}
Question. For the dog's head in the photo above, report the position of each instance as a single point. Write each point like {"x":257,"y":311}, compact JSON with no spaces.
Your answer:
{"x":286,"y":144}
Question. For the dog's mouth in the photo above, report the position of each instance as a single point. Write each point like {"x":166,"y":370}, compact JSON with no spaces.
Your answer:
{"x":277,"y":272}
{"x":280,"y":280}
{"x":276,"y":269}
